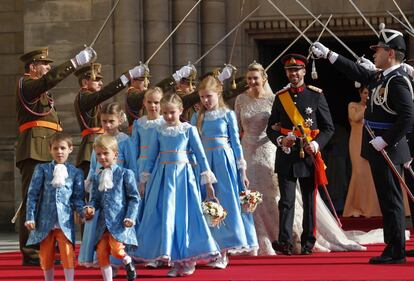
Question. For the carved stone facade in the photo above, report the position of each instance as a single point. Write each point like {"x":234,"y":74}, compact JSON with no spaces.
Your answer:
{"x":134,"y":33}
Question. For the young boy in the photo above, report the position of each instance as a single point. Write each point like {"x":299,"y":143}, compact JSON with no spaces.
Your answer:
{"x":55,"y":190}
{"x":114,"y":192}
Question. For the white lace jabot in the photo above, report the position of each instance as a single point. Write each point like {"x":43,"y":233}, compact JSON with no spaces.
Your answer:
{"x":173,"y":131}
{"x":215,"y":114}
{"x":146,"y":124}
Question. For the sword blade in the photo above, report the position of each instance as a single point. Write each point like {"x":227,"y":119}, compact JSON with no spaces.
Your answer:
{"x":333,"y":34}
{"x":362,"y":15}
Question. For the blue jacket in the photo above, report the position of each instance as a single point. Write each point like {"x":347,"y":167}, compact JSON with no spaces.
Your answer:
{"x":116,"y":204}
{"x":56,"y":204}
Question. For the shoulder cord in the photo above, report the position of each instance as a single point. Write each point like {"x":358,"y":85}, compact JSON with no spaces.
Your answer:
{"x":25,"y":103}
{"x":81,"y":116}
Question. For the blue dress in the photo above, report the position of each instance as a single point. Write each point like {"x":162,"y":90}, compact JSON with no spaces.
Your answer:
{"x":56,"y":203}
{"x":220,"y":138}
{"x":142,"y":131}
{"x":173,"y":227}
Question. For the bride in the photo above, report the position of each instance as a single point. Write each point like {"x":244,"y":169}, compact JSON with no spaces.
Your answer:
{"x":253,"y":110}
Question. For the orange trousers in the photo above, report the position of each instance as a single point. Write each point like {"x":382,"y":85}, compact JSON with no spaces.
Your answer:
{"x":47,"y":250}
{"x":107,"y":246}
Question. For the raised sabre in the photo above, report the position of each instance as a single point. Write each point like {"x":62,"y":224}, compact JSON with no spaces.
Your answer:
{"x":401,"y":12}
{"x":227,"y":35}
{"x":365,"y":19}
{"x":104,"y":24}
{"x":391,"y":165}
{"x":172,"y":32}
{"x":333,"y":34}
{"x":290,"y":45}
{"x":407,"y":28}
{"x":290,"y":21}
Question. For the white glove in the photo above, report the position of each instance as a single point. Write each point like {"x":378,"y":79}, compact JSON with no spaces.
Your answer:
{"x":407,"y":165}
{"x":319,"y":50}
{"x":85,"y":56}
{"x":409,"y":69}
{"x":137,"y":71}
{"x":378,"y":143}
{"x":183,"y":72}
{"x":367,"y":64}
{"x":225,"y":73}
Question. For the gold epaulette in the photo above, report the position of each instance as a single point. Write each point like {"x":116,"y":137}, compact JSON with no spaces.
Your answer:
{"x":282,"y":90}
{"x":315,"y":89}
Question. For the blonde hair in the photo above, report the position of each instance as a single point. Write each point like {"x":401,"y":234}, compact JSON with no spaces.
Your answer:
{"x":209,"y":83}
{"x":155,"y":90}
{"x":106,"y":142}
{"x":255,"y":66}
{"x":172,"y":99}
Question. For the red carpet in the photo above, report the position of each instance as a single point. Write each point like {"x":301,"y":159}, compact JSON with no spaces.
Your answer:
{"x":318,"y":266}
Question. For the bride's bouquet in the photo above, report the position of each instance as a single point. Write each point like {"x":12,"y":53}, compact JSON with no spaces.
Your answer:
{"x":213,"y":212}
{"x":249,"y":199}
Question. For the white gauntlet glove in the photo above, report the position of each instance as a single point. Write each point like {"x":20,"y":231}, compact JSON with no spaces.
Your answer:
{"x":226,"y":73}
{"x":367,"y":64}
{"x":378,"y":143}
{"x":319,"y":50}
{"x":183,"y":72}
{"x":85,"y":56}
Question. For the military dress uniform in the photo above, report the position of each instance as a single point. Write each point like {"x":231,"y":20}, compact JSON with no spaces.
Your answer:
{"x":134,"y":103}
{"x":38,"y":122}
{"x":390,"y":114}
{"x":87,"y":107}
{"x":292,"y":165}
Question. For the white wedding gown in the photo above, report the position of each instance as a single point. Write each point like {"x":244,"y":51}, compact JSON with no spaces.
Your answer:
{"x":259,"y":152}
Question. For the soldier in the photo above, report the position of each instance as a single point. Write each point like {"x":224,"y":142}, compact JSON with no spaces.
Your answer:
{"x":87,"y":104}
{"x":390,"y":114}
{"x":38,"y":122}
{"x":135,"y":95}
{"x":183,"y":82}
{"x":298,"y":106}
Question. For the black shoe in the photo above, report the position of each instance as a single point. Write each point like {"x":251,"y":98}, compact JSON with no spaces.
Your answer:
{"x":31,"y":262}
{"x":282,"y":248}
{"x":409,"y":253}
{"x":131,"y":272}
{"x":305,"y":251}
{"x":386,"y":260}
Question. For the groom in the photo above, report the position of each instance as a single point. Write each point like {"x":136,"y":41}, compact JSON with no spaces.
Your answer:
{"x":303,"y":108}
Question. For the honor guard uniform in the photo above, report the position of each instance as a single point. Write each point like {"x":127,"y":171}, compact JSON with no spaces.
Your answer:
{"x":135,"y":95}
{"x":87,"y":105}
{"x":298,"y":107}
{"x":183,"y":81}
{"x":38,"y":121}
{"x":390,"y":115}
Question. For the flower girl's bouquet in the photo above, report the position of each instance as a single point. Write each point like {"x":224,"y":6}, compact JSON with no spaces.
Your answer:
{"x":249,"y":199}
{"x":213,"y":212}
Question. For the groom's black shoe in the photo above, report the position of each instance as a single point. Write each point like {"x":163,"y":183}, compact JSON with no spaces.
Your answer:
{"x":282,"y":248}
{"x":386,"y":260}
{"x":305,"y":250}
{"x":409,"y":253}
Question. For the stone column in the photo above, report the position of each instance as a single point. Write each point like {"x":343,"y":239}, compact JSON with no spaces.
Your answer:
{"x":187,"y":37}
{"x":128,"y":42}
{"x":156,"y":29}
{"x":11,"y":47}
{"x":213,"y":28}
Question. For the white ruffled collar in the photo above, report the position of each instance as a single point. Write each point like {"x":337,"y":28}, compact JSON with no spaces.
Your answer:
{"x":173,"y":131}
{"x":215,"y":113}
{"x":143,"y":122}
